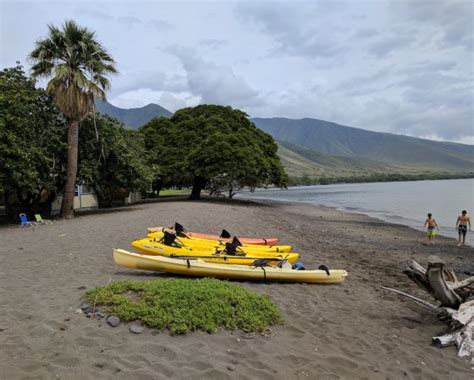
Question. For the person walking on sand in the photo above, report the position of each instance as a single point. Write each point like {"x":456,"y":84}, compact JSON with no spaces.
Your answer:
{"x":431,"y":223}
{"x":462,"y":224}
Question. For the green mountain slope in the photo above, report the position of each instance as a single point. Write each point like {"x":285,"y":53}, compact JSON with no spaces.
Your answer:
{"x":132,"y":117}
{"x":385,"y":148}
{"x":317,"y":146}
{"x":299,"y":161}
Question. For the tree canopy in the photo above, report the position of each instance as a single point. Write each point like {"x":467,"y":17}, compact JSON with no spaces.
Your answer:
{"x":209,"y":142}
{"x":32,"y":144}
{"x":111,"y":159}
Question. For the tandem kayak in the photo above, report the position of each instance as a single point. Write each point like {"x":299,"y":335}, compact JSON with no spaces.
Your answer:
{"x":200,"y":268}
{"x":224,"y":236}
{"x":206,"y":244}
{"x":153,"y":247}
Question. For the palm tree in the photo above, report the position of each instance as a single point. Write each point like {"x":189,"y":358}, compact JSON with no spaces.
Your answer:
{"x":78,"y":66}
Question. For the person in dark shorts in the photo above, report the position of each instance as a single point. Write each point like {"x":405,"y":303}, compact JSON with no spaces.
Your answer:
{"x":463,"y":222}
{"x":432,"y":225}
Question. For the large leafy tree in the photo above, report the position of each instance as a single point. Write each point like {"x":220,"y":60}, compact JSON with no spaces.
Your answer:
{"x":164,"y":150}
{"x":208,"y":142}
{"x":78,"y":66}
{"x":32,"y":146}
{"x":111,"y":159}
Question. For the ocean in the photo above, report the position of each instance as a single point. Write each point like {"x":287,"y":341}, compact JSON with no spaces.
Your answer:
{"x":404,"y":203}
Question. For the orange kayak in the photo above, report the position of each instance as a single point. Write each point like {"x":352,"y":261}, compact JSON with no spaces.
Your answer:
{"x":225,"y":237}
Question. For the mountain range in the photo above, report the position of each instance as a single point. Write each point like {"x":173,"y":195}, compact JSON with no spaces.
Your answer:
{"x":315,"y":147}
{"x":132,"y":117}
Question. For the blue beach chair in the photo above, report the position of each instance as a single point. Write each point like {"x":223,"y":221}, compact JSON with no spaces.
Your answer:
{"x":25,"y":222}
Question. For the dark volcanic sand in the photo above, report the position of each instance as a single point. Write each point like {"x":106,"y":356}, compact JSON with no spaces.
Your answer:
{"x":354,"y":330}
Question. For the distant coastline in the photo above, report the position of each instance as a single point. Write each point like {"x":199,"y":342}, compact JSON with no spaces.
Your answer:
{"x":376,"y":177}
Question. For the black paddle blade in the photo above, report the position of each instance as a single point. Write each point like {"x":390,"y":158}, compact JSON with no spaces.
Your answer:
{"x":225,"y":234}
{"x":169,"y":238}
{"x":179,"y":227}
{"x":236,"y":242}
{"x":230,"y":249}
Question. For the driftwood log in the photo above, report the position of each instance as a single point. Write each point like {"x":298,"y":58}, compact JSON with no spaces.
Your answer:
{"x":439,"y":281}
{"x":455,"y":307}
{"x":463,"y":336}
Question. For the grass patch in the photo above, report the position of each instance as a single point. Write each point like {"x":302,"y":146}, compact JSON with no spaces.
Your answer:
{"x":185,"y":305}
{"x":174,"y":192}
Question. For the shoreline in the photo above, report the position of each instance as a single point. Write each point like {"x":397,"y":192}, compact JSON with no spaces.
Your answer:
{"x":390,"y":202}
{"x":355,"y":329}
{"x":356,"y":211}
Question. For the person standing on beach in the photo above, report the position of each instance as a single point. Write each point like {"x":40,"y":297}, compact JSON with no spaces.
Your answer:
{"x":462,"y":224}
{"x":431,"y":223}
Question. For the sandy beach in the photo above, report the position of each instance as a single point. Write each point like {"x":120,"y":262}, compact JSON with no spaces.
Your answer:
{"x":353,"y":330}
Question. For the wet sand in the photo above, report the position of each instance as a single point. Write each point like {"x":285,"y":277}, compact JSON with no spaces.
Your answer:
{"x":353,"y":330}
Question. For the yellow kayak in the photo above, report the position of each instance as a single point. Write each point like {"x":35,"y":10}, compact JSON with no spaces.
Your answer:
{"x":153,"y":247}
{"x":198,"y":267}
{"x":207,"y":244}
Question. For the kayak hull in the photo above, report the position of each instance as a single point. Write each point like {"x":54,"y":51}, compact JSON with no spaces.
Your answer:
{"x":239,"y":272}
{"x":244,"y":240}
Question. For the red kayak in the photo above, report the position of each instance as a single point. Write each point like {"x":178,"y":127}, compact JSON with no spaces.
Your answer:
{"x":224,"y":237}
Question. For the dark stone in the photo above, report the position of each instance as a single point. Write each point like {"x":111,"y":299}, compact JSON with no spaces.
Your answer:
{"x":81,"y":288}
{"x":84,"y":307}
{"x":137,"y":328}
{"x":113,"y":321}
{"x":231,"y":368}
{"x":233,"y":361}
{"x":89,"y":314}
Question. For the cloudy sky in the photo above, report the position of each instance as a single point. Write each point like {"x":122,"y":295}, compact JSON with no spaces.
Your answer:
{"x":403,"y":67}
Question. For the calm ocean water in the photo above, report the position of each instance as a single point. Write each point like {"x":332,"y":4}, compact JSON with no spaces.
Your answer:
{"x":398,"y":202}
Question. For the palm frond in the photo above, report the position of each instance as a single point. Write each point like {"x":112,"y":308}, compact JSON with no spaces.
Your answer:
{"x":78,"y":64}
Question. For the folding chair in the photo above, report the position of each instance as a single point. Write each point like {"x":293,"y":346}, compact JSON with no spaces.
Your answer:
{"x":25,"y":222}
{"x":40,"y":220}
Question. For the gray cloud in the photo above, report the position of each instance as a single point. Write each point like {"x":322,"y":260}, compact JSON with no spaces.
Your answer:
{"x":93,"y":12}
{"x":212,"y":43}
{"x":216,"y":84}
{"x":153,"y":80}
{"x":451,"y":20}
{"x":160,"y":25}
{"x":390,"y":44}
{"x":364,"y":33}
{"x":289,"y":27}
{"x":391,"y":66}
{"x":129,"y":21}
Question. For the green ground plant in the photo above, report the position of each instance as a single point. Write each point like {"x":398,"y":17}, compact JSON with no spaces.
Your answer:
{"x":185,"y":305}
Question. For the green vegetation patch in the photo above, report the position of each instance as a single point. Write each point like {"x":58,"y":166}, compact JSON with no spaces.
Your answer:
{"x":185,"y":305}
{"x":174,"y":192}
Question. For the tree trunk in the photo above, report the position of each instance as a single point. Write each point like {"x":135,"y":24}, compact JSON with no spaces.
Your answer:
{"x":157,"y":186}
{"x":67,"y":207}
{"x":198,"y":185}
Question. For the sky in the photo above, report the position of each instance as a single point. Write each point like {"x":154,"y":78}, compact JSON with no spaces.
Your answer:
{"x":403,"y":67}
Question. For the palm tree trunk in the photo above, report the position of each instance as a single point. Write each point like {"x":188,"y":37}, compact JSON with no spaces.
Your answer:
{"x":67,"y":207}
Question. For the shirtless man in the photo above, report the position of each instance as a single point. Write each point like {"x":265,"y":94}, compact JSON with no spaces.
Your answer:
{"x":461,"y":224}
{"x":431,"y":223}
